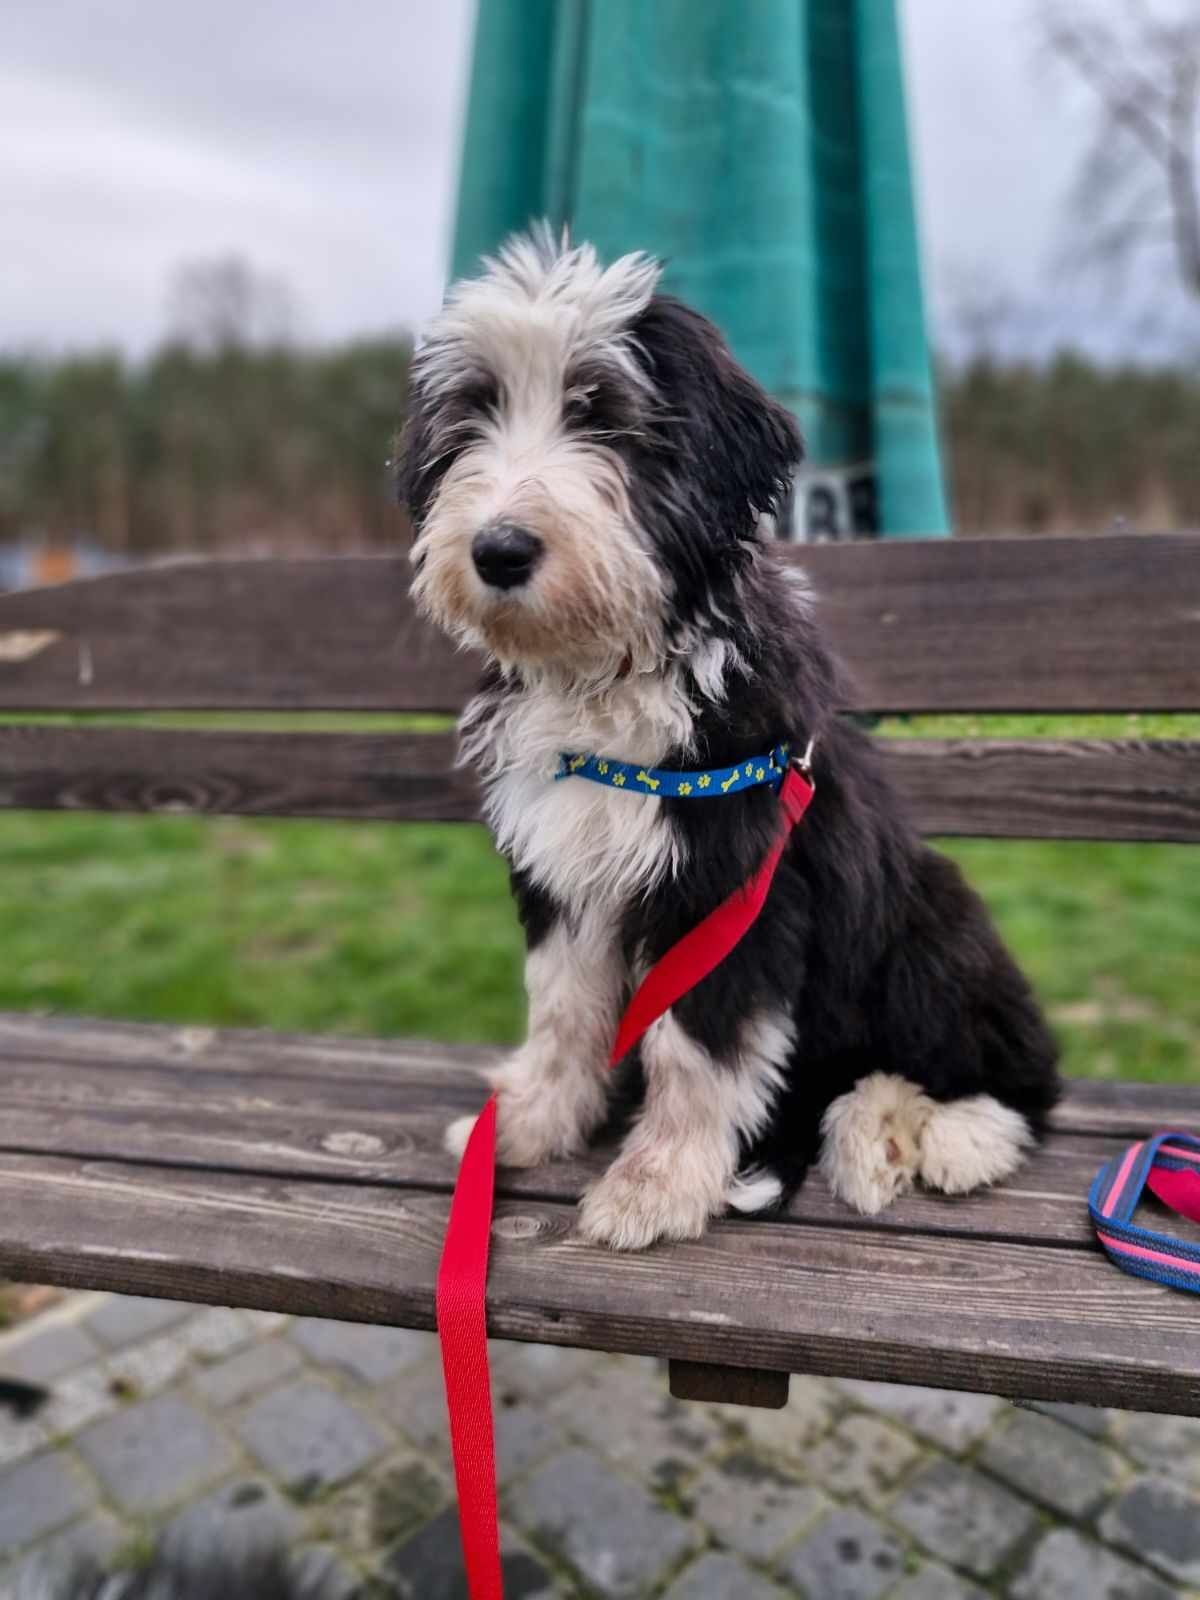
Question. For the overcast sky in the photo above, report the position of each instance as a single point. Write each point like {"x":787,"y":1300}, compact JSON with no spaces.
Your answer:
{"x":319,"y":142}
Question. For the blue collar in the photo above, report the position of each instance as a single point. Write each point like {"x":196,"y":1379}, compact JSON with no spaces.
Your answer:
{"x":666,"y":784}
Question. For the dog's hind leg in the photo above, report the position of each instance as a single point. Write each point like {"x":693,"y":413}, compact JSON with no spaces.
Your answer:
{"x":871,"y":1141}
{"x":886,"y":1133}
{"x":968,"y":1143}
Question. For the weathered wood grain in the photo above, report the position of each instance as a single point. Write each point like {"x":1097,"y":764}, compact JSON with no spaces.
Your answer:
{"x":1110,"y":623}
{"x":284,"y":635}
{"x":1099,"y":624}
{"x":1051,"y":788}
{"x":1014,"y":1319}
{"x":995,"y":788}
{"x":395,"y":777}
{"x":353,"y":1111}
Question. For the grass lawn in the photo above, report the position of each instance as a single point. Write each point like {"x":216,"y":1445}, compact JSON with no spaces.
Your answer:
{"x":408,"y":930}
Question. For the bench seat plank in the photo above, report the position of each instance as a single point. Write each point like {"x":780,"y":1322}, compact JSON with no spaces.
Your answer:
{"x":1021,"y":1320}
{"x":306,"y":1174}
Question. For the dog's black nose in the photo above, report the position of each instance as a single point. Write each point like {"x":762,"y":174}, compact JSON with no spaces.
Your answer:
{"x":505,"y":554}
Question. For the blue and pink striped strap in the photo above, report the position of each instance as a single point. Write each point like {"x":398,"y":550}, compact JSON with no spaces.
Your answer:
{"x":1169,"y":1166}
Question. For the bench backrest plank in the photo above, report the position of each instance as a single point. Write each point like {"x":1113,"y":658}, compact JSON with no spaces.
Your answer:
{"x":1053,"y":625}
{"x":1045,"y":625}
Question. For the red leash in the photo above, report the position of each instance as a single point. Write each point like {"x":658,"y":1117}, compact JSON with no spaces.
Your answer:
{"x":462,"y":1275}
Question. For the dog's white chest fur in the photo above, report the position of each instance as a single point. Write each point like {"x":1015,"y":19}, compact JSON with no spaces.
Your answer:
{"x":582,"y":842}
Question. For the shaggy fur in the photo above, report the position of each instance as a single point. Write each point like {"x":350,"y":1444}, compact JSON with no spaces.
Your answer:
{"x":871,"y":1018}
{"x":179,"y":1569}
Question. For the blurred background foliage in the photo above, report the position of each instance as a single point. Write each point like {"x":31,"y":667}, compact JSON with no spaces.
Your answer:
{"x":247,"y":448}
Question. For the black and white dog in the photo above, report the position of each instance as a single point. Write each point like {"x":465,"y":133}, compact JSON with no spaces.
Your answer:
{"x":591,"y":477}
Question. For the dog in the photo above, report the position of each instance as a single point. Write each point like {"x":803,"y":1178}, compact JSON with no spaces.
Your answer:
{"x":594,"y":483}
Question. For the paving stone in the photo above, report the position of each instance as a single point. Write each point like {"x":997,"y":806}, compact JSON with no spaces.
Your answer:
{"x":382,"y":1508}
{"x":430,"y":1567}
{"x":863,"y":1457}
{"x":608,"y":1529}
{"x":1048,"y":1462}
{"x":145,"y":1369}
{"x":810,"y":1412}
{"x":250,"y":1512}
{"x":536,"y":1371}
{"x":78,"y":1399}
{"x":1169,"y":1443}
{"x":247,"y":1373}
{"x":625,"y":1411}
{"x":123,"y":1319}
{"x":308,"y":1437}
{"x":1158,"y":1520}
{"x":935,"y":1583}
{"x":94,"y":1538}
{"x":20,"y":1439}
{"x":753,"y":1507}
{"x":401,"y":1499}
{"x":1068,"y":1566}
{"x":720,"y":1577}
{"x":849,"y":1557}
{"x":216,"y":1332}
{"x":950,"y":1417}
{"x":38,"y":1496}
{"x":415,"y":1403}
{"x":150,"y":1455}
{"x":48,"y":1352}
{"x":268,"y":1321}
{"x":367,"y":1353}
{"x":965,"y":1518}
{"x":525,"y":1435}
{"x":1092,"y":1420}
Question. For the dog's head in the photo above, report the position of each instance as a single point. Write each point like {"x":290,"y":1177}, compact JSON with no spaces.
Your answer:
{"x":586,"y":465}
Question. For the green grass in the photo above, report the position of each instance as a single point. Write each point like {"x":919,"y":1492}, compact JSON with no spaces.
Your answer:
{"x":369,"y":928}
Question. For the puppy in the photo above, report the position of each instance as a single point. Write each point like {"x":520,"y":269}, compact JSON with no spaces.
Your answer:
{"x":592,"y":479}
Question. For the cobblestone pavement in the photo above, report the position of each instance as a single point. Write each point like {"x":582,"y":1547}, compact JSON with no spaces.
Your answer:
{"x":332,"y":1437}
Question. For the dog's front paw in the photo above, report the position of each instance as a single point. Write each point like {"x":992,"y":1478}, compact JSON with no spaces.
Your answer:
{"x":521,"y":1140}
{"x":630,"y":1208}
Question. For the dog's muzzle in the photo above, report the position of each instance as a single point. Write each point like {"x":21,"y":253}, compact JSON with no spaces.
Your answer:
{"x":505,"y":554}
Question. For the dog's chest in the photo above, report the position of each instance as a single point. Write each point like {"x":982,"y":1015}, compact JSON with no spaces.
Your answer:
{"x":582,"y":842}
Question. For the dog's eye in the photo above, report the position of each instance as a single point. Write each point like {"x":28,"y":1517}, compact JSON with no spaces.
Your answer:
{"x":579,"y":408}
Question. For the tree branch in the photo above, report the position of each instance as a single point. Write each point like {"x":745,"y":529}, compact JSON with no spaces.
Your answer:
{"x":1181,"y":170}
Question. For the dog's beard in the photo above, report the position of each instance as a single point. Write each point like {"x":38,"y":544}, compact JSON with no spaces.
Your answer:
{"x":593,"y":608}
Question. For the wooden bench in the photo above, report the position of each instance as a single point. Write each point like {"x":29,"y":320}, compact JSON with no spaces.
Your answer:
{"x":306,"y":1174}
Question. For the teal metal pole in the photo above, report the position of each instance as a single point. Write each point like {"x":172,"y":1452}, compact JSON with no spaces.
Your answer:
{"x":904,"y":402}
{"x":761,"y":150}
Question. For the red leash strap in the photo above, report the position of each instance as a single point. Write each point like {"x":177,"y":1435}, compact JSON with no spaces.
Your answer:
{"x":462,"y":1275}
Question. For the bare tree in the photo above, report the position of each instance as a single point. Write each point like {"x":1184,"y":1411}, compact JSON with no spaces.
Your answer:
{"x":227,"y":304}
{"x":1139,"y":185}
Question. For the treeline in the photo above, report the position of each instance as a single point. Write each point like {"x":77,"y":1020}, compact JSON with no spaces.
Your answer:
{"x":257,"y":449}
{"x":1071,"y":447}
{"x":236,"y":448}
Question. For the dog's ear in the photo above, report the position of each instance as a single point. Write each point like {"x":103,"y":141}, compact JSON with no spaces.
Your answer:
{"x":412,"y":457}
{"x":742,"y":445}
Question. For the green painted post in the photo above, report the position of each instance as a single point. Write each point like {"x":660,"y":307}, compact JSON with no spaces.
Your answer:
{"x":761,"y":150}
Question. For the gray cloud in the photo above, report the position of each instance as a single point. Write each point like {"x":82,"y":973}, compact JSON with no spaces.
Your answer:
{"x":320,"y":142}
